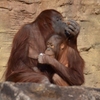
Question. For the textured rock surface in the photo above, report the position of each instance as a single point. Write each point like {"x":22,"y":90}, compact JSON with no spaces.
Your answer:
{"x":32,"y":91}
{"x":14,"y":13}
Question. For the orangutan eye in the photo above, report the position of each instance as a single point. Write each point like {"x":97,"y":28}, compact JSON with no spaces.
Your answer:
{"x":52,"y":46}
{"x":48,"y":43}
{"x":58,"y":19}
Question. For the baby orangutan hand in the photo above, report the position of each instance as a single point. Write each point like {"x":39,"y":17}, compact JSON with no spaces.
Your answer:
{"x":45,"y":59}
{"x":40,"y":58}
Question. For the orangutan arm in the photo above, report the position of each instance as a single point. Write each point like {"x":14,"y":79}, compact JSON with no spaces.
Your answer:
{"x":56,"y":78}
{"x":70,"y":75}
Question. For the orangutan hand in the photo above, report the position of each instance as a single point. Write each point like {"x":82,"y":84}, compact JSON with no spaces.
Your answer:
{"x":72,"y":29}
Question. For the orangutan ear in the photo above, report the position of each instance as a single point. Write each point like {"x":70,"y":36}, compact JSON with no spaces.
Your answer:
{"x":62,"y":46}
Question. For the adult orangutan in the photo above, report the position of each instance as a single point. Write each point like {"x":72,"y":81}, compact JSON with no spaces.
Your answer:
{"x":30,"y":41}
{"x":58,"y":49}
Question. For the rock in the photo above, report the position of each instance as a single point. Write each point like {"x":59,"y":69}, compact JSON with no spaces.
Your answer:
{"x":33,"y":91}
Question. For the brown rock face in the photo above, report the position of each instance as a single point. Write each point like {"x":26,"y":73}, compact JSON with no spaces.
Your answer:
{"x":15,"y":13}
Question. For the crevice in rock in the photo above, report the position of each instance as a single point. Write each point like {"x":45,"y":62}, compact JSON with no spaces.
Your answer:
{"x":85,"y":49}
{"x":6,"y":8}
{"x":29,"y":1}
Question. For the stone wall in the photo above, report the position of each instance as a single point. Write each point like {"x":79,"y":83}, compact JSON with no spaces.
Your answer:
{"x":14,"y":13}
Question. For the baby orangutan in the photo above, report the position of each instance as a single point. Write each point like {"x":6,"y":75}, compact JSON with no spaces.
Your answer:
{"x":55,"y":47}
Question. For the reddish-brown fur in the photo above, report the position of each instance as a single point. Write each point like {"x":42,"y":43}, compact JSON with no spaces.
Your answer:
{"x":30,"y":41}
{"x":74,"y":71}
{"x":68,"y":68}
{"x":27,"y":44}
{"x":75,"y":62}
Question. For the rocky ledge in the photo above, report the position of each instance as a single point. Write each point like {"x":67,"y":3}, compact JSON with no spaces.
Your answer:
{"x":33,"y":91}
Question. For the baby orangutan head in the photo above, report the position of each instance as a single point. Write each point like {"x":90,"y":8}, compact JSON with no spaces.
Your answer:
{"x":55,"y":45}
